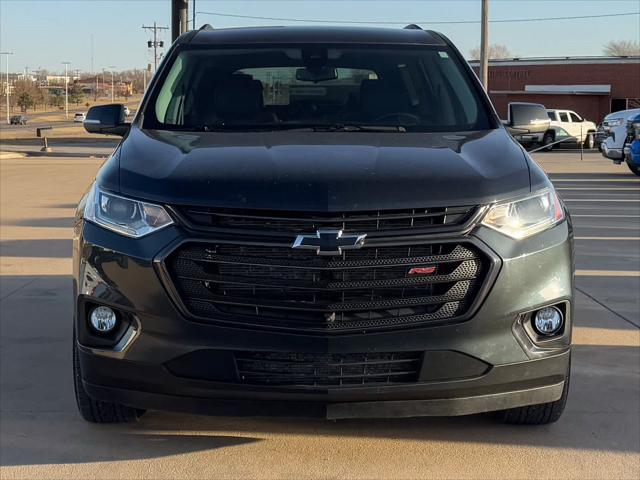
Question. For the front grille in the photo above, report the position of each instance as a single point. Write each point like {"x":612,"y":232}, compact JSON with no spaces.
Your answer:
{"x":327,"y":369}
{"x":361,"y":289}
{"x":296,"y":222}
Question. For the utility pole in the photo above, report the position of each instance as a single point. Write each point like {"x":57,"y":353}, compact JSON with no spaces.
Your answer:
{"x":484,"y":46}
{"x":179,"y":16}
{"x":92,"y":71}
{"x":111,"y":67}
{"x":7,"y":86}
{"x":193,"y":21}
{"x":66,"y":90}
{"x":155,"y":43}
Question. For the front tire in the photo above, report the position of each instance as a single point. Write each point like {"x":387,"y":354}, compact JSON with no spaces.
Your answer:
{"x":97,"y":411}
{"x":547,"y":140}
{"x":540,"y":414}
{"x":634,"y":168}
{"x":590,"y":141}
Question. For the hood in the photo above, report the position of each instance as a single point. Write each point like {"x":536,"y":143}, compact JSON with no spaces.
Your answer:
{"x":320,"y":171}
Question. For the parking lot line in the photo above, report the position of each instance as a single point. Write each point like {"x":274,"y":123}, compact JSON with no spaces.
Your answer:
{"x":607,"y":273}
{"x":634,"y":180}
{"x":608,"y":238}
{"x":603,"y":200}
{"x":599,"y":188}
{"x":603,"y":215}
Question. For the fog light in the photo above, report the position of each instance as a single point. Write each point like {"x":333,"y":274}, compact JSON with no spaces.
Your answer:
{"x":548,"y":320}
{"x":103,"y":319}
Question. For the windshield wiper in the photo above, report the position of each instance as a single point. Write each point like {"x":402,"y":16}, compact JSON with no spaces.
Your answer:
{"x":261,"y":127}
{"x":350,"y":127}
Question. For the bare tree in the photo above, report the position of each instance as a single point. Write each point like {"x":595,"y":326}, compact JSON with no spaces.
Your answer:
{"x":496,"y":50}
{"x":621,"y":48}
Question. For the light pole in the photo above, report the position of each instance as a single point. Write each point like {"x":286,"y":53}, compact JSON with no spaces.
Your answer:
{"x":7,"y":86}
{"x":484,"y":46}
{"x":112,"y":95}
{"x":66,"y":90}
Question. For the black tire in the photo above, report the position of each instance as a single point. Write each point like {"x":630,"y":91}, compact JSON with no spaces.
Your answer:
{"x":546,"y":140}
{"x":540,"y":414}
{"x":590,"y":141}
{"x":634,"y":168}
{"x":96,"y":411}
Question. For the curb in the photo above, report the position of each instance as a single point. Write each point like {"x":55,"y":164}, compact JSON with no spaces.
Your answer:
{"x":8,"y":155}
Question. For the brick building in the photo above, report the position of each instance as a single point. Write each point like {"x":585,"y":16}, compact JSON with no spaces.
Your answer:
{"x":591,"y":86}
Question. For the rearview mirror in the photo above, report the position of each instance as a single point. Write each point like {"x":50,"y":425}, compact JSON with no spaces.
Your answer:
{"x":316,"y":74}
{"x":107,"y":119}
{"x":527,"y":118}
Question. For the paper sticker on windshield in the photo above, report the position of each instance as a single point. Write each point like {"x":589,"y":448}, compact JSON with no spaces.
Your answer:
{"x":443,"y":54}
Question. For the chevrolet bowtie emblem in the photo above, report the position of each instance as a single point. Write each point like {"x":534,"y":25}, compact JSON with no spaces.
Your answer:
{"x":329,"y":242}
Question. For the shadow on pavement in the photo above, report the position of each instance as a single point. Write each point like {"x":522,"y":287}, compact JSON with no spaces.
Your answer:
{"x":50,"y":248}
{"x":53,"y":222}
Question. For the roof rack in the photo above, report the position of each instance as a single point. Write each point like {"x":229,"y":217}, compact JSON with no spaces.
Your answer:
{"x":412,"y":26}
{"x":205,"y":27}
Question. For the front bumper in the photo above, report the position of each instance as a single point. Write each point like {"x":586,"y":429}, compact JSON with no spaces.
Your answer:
{"x":490,"y":362}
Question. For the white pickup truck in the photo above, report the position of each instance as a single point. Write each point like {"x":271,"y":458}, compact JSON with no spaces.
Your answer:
{"x":568,"y":124}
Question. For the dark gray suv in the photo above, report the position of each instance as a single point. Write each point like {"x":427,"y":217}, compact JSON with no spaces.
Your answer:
{"x":319,"y":221}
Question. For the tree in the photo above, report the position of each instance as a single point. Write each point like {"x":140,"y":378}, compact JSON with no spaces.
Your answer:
{"x":621,"y":48}
{"x":26,"y":93}
{"x":76,"y":95}
{"x":496,"y":50}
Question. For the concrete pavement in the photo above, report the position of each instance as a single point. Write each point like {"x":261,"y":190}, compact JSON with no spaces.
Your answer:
{"x":42,"y":436}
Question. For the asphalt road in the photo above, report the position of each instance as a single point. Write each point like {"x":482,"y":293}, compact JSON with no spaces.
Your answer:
{"x":42,"y":436}
{"x":33,"y":123}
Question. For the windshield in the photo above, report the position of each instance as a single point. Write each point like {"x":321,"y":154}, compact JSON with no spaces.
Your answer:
{"x":408,"y":88}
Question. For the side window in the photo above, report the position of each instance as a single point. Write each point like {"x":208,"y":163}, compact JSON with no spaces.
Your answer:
{"x":552,"y":116}
{"x":564,"y":116}
{"x":575,"y":117}
{"x":169,"y":101}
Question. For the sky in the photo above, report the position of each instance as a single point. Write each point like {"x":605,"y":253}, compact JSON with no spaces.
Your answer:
{"x":45,"y":33}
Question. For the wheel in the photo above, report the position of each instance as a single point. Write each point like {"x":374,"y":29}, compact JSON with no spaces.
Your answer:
{"x":547,"y":140}
{"x":540,"y":414}
{"x":590,"y":141}
{"x":634,"y":168}
{"x":97,"y":411}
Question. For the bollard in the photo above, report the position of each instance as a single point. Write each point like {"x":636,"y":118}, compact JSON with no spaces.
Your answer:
{"x":45,"y":143}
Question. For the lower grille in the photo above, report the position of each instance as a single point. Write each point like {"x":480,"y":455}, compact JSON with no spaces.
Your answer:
{"x":366,"y":288}
{"x":325,"y":370}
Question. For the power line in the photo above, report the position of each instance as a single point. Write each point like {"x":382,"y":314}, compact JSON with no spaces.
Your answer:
{"x":425,"y":22}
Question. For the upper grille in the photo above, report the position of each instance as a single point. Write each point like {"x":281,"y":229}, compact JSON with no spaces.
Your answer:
{"x":296,"y":222}
{"x":366,"y":288}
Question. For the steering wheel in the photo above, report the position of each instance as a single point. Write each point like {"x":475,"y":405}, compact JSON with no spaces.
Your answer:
{"x":415,"y":120}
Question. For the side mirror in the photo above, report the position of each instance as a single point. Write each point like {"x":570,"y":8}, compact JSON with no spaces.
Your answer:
{"x":527,"y":118}
{"x":107,"y":119}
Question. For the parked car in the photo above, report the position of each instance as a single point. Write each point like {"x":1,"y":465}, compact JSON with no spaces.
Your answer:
{"x":632,"y":145}
{"x":18,"y":119}
{"x":568,"y":124}
{"x":615,"y":127}
{"x":367,"y":239}
{"x":600,"y":136}
{"x":79,"y":117}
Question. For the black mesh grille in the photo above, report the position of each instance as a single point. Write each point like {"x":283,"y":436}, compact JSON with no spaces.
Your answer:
{"x":325,"y":370}
{"x":297,"y":222}
{"x":365,"y":288}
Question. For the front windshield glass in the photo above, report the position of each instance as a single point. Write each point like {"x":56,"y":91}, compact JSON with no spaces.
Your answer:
{"x":263,"y":88}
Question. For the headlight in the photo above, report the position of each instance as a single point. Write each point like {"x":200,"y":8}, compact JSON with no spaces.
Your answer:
{"x":124,"y":215}
{"x":614,"y":122}
{"x":525,"y":217}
